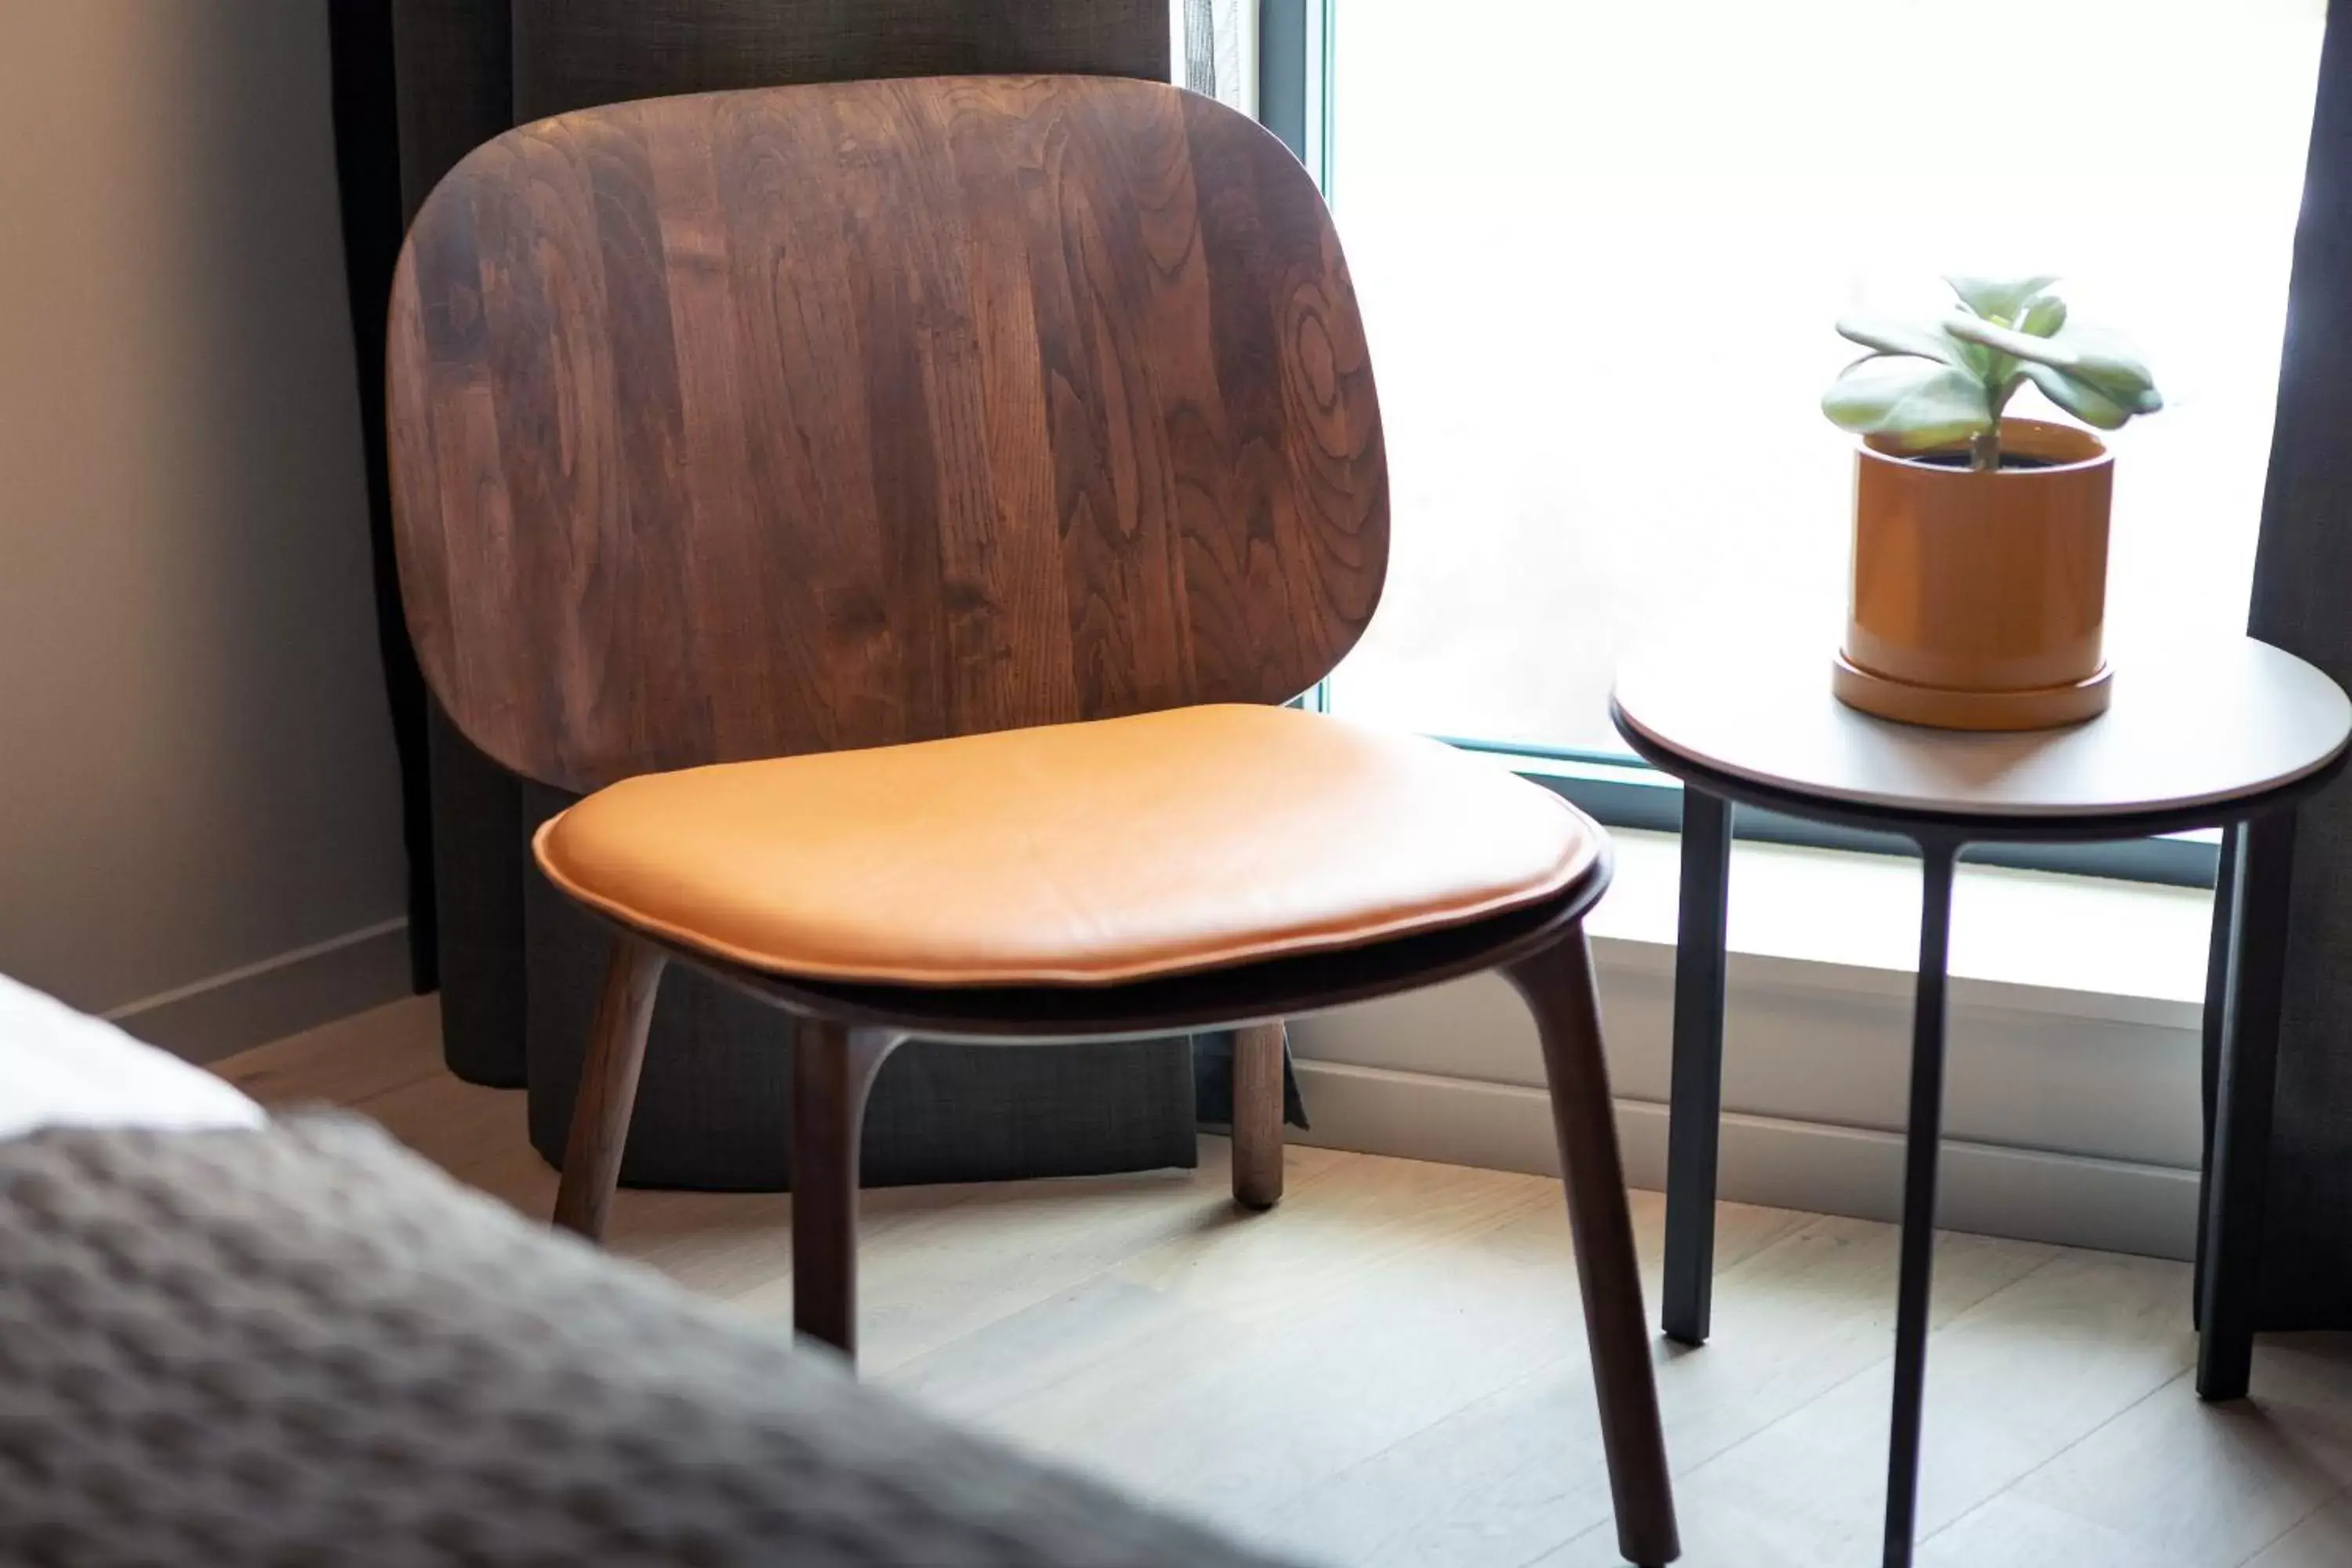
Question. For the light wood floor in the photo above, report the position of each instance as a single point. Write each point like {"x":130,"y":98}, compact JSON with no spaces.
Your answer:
{"x":1390,"y":1368}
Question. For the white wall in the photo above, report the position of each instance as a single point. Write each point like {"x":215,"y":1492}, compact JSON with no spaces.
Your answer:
{"x":2071,"y":1108}
{"x":196,"y":774}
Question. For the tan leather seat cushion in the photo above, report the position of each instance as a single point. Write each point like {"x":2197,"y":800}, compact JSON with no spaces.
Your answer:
{"x":1075,"y":854}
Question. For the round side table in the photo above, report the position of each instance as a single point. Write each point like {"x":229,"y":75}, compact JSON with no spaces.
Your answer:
{"x":2214,"y":732}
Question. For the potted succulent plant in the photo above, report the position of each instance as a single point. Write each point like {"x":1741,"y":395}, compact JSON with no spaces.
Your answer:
{"x":1980,"y":540}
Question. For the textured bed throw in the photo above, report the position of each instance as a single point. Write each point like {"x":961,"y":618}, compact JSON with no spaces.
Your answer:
{"x":300,"y":1344}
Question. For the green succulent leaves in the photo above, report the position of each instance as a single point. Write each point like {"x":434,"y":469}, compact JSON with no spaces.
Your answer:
{"x":1918,"y":402}
{"x":2043,"y":316}
{"x":2093,"y":366}
{"x":1935,"y":385}
{"x":1891,"y":335}
{"x":1998,"y":299}
{"x":2079,"y":398}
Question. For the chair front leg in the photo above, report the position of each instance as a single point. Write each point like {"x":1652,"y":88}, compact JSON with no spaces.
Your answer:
{"x":1258,"y":1053}
{"x":608,"y":1085}
{"x":1556,"y":983}
{"x":833,"y":1070}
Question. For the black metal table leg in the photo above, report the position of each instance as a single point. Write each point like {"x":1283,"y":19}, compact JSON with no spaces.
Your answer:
{"x":1695,"y":1100}
{"x":1927,"y":1130}
{"x":2218,"y":945}
{"x":2237,"y":1164}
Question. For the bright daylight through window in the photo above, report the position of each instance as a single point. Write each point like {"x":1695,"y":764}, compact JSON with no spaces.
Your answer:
{"x":1600,"y":246}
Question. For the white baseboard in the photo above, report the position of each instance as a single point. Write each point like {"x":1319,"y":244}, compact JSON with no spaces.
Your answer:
{"x":2069,"y":1199}
{"x":226,"y":1012}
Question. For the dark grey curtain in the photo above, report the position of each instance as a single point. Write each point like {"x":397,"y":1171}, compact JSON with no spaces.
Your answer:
{"x":2302,"y":603}
{"x":569,"y":53}
{"x":419,"y":83}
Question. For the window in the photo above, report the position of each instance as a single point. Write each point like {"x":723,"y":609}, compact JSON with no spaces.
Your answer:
{"x":1599,"y":246}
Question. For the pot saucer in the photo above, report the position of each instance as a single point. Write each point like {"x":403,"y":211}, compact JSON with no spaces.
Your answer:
{"x":1947,"y":708}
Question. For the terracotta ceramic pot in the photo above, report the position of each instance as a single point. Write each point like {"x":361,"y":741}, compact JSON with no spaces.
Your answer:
{"x":1979,"y":599}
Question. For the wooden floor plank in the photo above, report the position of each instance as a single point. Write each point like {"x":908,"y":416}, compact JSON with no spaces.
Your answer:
{"x":2323,"y":1540}
{"x":345,"y":1062}
{"x":2214,"y":1483}
{"x":1510,"y":1476}
{"x":2016,"y":1379}
{"x":1412,"y":1285}
{"x":1388,"y":1367}
{"x":2014,"y":1531}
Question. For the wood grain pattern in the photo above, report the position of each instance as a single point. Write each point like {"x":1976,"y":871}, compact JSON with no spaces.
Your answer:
{"x":1558,"y":986}
{"x":833,"y":1072}
{"x":608,"y":1085}
{"x":765,"y":422}
{"x":1257,"y":1114}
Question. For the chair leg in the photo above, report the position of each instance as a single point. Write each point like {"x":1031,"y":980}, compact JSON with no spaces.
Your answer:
{"x":1257,"y":1114}
{"x":1556,"y":983}
{"x":832,"y":1069}
{"x":608,"y":1085}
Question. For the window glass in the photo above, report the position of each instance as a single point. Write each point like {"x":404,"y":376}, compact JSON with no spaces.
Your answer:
{"x":1599,"y":247}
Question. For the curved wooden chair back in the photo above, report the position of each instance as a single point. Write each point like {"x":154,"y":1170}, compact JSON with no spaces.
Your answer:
{"x":754,"y":423}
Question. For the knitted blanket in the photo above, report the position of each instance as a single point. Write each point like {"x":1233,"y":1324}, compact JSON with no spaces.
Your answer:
{"x":298,"y":1343}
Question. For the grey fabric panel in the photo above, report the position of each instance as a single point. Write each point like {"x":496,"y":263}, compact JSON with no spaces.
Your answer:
{"x":478,"y":894}
{"x":456,"y":71}
{"x":572,"y":53}
{"x":714,"y":1105}
{"x":1212,"y":1081}
{"x":454,"y":82}
{"x":302,"y":1344}
{"x":2302,"y":570}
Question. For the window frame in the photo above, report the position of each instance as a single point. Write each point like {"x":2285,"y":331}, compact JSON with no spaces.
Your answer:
{"x":1294,"y":81}
{"x":1626,"y":792}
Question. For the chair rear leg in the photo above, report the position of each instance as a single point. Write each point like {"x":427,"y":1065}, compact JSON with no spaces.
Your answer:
{"x":608,"y":1085}
{"x":832,"y":1069}
{"x":1558,"y":986}
{"x":1258,"y":1051}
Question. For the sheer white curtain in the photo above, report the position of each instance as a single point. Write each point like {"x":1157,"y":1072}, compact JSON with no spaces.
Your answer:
{"x":1215,"y":49}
